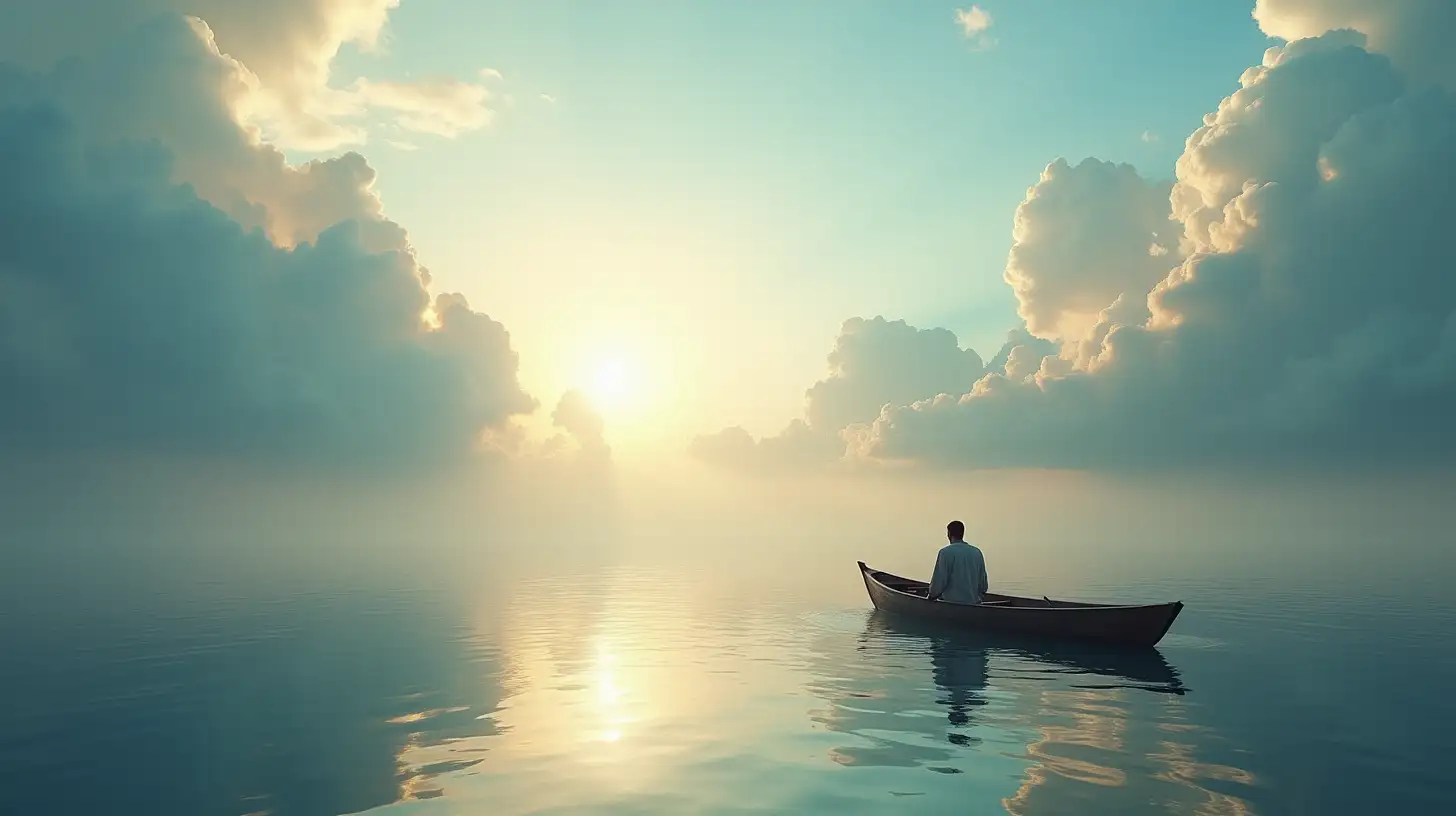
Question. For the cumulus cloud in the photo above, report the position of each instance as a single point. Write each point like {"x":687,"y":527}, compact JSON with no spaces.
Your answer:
{"x":1084,"y":236}
{"x":166,"y":81}
{"x":1021,"y":355}
{"x":575,"y":414}
{"x":874,"y":363}
{"x":878,"y":362}
{"x":1311,"y":319}
{"x":286,"y":47}
{"x":1415,"y":34}
{"x":1298,"y":308}
{"x":171,"y":284}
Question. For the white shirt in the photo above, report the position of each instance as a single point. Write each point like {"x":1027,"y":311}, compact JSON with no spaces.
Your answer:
{"x":960,"y":574}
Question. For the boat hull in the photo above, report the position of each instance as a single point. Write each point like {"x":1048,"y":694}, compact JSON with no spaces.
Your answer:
{"x":1032,"y":617}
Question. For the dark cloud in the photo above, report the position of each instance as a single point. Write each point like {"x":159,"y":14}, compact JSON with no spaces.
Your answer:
{"x":258,"y":309}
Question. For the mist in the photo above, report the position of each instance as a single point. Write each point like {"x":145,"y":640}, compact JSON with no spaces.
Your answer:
{"x":148,"y":529}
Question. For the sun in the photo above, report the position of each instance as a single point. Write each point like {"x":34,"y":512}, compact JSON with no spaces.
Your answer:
{"x":613,"y":385}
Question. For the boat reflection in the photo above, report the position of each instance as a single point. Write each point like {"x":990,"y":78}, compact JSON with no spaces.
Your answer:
{"x":978,"y":686}
{"x":1081,"y":664}
{"x":1057,"y":727}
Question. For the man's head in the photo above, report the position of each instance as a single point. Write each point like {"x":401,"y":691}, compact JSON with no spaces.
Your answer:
{"x":955,"y":531}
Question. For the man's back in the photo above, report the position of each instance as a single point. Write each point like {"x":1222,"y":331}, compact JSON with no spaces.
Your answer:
{"x":960,"y":574}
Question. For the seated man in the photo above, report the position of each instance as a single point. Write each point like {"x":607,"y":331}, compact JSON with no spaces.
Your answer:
{"x":960,"y":569}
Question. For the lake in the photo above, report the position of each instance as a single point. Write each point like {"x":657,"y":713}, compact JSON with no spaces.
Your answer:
{"x":1311,"y":672}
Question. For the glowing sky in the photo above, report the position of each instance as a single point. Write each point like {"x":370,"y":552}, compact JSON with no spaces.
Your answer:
{"x":645,"y":225}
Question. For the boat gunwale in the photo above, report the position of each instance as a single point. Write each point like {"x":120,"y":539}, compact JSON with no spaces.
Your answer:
{"x":869,"y":572}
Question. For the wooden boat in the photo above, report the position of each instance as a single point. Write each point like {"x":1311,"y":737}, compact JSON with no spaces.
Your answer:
{"x":1039,"y":617}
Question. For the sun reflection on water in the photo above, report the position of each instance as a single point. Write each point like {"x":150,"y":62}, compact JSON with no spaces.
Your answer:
{"x":609,"y":695}
{"x":650,"y":693}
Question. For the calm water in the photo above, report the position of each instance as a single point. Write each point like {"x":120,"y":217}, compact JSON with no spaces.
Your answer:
{"x":703,"y":685}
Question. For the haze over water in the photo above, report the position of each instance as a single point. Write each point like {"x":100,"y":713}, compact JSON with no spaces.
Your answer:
{"x":479,"y":407}
{"x":667,"y":663}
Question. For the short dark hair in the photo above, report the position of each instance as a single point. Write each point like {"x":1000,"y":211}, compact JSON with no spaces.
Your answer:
{"x":956,"y":529}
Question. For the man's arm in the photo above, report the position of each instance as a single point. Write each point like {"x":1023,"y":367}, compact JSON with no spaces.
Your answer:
{"x":984,"y":581}
{"x":938,"y":578}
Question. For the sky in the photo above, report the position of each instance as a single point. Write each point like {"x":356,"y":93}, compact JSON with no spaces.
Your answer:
{"x":744,"y":178}
{"x":769,"y":238}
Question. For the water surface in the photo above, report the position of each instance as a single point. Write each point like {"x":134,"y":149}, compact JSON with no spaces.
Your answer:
{"x":699,"y":681}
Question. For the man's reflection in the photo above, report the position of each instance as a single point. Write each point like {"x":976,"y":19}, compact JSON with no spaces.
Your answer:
{"x":876,"y":685}
{"x":960,"y":671}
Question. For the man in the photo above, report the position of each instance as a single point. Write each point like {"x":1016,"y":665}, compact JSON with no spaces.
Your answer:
{"x":960,"y":569}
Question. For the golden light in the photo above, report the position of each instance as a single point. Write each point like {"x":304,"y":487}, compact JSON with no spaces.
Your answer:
{"x":613,"y":385}
{"x":627,"y":379}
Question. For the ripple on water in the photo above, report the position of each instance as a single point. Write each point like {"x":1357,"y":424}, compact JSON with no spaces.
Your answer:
{"x":651,"y":692}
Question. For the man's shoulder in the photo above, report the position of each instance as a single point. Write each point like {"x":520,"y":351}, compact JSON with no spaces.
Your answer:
{"x":960,"y":546}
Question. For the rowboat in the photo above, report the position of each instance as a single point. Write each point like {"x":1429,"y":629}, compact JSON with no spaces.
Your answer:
{"x":1142,"y":625}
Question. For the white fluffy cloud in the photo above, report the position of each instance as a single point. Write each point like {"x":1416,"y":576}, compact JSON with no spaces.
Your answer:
{"x":286,"y":49}
{"x":975,"y":22}
{"x":171,"y":284}
{"x":1085,"y":236}
{"x":1312,"y":318}
{"x":1415,"y":34}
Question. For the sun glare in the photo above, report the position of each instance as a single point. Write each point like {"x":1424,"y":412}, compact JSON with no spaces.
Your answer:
{"x":612,"y":385}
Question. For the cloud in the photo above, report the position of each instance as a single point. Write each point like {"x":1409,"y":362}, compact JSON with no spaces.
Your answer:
{"x":285,"y":47}
{"x":166,"y":81}
{"x":874,"y":363}
{"x":974,"y":21}
{"x":1084,"y":236}
{"x":1297,"y":309}
{"x":441,"y":107}
{"x":1149,"y":137}
{"x":548,"y":99}
{"x":878,"y":362}
{"x":575,"y":414}
{"x":1415,"y":34}
{"x":492,"y":74}
{"x":1311,"y":320}
{"x":1021,"y":349}
{"x":171,"y":285}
